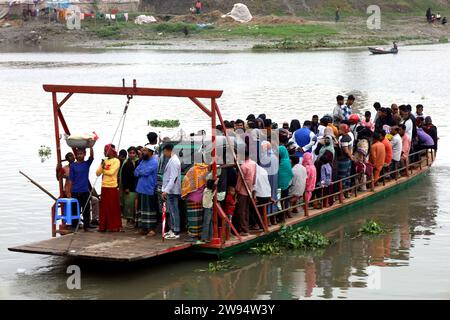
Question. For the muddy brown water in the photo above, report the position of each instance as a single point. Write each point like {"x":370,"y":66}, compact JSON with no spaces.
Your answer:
{"x":410,"y":261}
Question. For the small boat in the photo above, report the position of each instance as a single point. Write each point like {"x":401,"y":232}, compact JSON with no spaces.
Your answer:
{"x":382,"y":50}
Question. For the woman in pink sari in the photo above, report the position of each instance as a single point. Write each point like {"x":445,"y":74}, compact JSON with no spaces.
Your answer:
{"x":310,"y":175}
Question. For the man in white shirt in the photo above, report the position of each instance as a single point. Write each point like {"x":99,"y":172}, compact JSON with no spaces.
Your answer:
{"x":419,"y":112}
{"x":262,"y":193}
{"x":171,"y":190}
{"x":397,"y":147}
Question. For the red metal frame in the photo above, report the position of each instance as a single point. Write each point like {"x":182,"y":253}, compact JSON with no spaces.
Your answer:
{"x":193,"y":95}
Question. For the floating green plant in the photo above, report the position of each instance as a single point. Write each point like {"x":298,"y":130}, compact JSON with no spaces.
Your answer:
{"x":293,"y":238}
{"x":220,"y":265}
{"x":44,"y":153}
{"x":267,"y":248}
{"x":302,"y":238}
{"x":164,"y":123}
{"x":372,"y":227}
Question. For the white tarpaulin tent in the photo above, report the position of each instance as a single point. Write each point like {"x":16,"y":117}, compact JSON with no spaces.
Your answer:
{"x":240,"y":13}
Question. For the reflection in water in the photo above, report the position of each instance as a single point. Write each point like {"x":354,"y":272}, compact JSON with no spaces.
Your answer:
{"x":410,"y":261}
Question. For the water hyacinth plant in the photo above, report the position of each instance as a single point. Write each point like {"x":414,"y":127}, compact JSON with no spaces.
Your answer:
{"x":220,"y":265}
{"x":44,"y":153}
{"x":293,"y":238}
{"x":372,"y":227}
{"x":164,"y":123}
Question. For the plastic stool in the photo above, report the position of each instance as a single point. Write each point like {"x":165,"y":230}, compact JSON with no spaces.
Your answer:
{"x":67,"y":215}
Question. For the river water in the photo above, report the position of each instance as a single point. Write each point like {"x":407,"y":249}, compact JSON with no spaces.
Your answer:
{"x":411,"y":261}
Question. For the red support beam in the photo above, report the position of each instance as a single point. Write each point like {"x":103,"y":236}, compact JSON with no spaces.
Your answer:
{"x":201,"y":106}
{"x":65,"y":100}
{"x":135,"y":91}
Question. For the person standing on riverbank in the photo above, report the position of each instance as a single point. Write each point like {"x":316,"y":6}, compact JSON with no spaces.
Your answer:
{"x":78,"y":185}
{"x":171,"y":190}
{"x":337,"y":16}
{"x":109,"y":217}
{"x":198,"y":7}
{"x":146,"y":172}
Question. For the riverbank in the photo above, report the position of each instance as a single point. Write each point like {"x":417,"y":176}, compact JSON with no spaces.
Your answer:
{"x":185,"y":33}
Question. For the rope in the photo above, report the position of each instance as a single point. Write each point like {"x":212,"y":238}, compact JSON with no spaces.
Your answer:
{"x":121,"y":121}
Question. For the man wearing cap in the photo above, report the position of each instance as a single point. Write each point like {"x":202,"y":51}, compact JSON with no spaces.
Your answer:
{"x":146,"y":172}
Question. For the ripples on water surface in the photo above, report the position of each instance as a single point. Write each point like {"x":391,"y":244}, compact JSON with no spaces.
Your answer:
{"x":411,"y":261}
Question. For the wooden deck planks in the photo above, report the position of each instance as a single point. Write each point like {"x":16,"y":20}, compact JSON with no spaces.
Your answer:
{"x":118,"y":246}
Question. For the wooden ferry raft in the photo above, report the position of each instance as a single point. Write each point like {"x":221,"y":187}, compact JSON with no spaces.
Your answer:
{"x":129,"y":246}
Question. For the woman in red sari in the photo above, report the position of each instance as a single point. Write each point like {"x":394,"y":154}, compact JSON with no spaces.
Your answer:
{"x":109,"y":217}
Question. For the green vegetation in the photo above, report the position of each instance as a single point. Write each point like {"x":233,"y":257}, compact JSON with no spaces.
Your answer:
{"x":443,"y":40}
{"x":267,"y":248}
{"x":275,"y":31}
{"x":372,"y":227}
{"x":302,"y":238}
{"x":164,"y":123}
{"x":292,"y":238}
{"x":44,"y":153}
{"x":109,"y":31}
{"x":220,"y":265}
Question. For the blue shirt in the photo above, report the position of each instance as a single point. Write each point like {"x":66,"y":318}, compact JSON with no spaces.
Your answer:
{"x":79,"y":175}
{"x":147,"y":171}
{"x":346,"y":111}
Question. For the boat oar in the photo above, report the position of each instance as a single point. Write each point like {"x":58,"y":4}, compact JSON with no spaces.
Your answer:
{"x":39,"y":186}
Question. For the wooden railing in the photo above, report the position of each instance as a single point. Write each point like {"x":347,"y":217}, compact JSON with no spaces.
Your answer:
{"x":408,"y":169}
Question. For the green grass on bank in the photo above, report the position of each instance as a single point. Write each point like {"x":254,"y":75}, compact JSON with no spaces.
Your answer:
{"x":121,"y":30}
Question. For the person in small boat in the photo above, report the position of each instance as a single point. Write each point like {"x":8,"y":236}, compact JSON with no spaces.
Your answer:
{"x":78,"y":185}
{"x":431,"y":129}
{"x":394,"y":46}
{"x":311,"y":175}
{"x":109,"y":216}
{"x":128,"y":183}
{"x":194,"y":182}
{"x":248,"y":168}
{"x":298,"y":183}
{"x":146,"y":173}
{"x":397,"y":147}
{"x":406,"y":146}
{"x":171,"y":190}
{"x":337,"y":111}
{"x":344,"y":156}
{"x":367,"y":122}
{"x":304,"y":138}
{"x":377,"y":156}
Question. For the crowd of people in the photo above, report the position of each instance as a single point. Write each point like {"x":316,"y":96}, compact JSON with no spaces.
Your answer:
{"x":280,"y":166}
{"x":432,"y":17}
